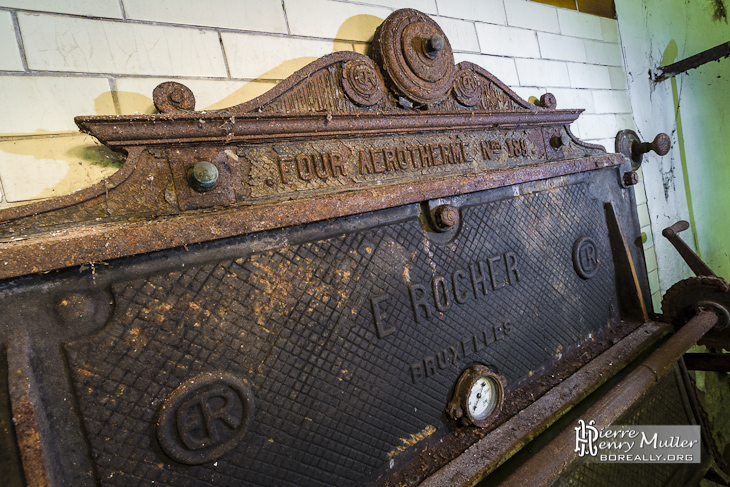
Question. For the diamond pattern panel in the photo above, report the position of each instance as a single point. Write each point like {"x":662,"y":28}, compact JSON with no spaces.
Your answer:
{"x":663,"y":405}
{"x":335,"y":399}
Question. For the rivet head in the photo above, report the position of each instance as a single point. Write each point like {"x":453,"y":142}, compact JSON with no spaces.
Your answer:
{"x":435,"y":43}
{"x":445,"y":216}
{"x":205,"y":175}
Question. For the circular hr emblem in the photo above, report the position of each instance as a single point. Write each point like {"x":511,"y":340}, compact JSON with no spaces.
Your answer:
{"x":362,"y":83}
{"x":585,"y":257}
{"x":467,"y":88}
{"x":205,"y":417}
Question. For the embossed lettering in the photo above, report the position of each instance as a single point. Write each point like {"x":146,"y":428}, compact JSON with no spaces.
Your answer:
{"x":426,"y":159}
{"x":304,"y":167}
{"x":402,"y":156}
{"x":435,"y":153}
{"x":380,"y":329}
{"x":378,"y":161}
{"x":366,"y":165}
{"x":442,"y":359}
{"x":457,"y":151}
{"x":486,"y":150}
{"x":200,"y":425}
{"x":498,"y":332}
{"x":390,"y":162}
{"x":478,"y":277}
{"x":493,"y":272}
{"x":465,"y":152}
{"x":446,"y":154}
{"x":320,"y":166}
{"x":516,"y":147}
{"x":336,"y":164}
{"x":416,"y":373}
{"x":487,"y":337}
{"x":282,"y":167}
{"x":478,"y":344}
{"x":459,"y":296}
{"x":415,"y":152}
{"x":440,"y":297}
{"x":419,"y":302}
{"x":453,"y":354}
{"x":510,"y":259}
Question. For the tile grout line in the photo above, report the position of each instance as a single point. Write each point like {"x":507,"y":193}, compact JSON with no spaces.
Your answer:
{"x":286,"y":18}
{"x":225,"y":56}
{"x":121,"y":7}
{"x":288,"y":34}
{"x":19,"y":39}
{"x":476,"y":32}
{"x":115,"y":96}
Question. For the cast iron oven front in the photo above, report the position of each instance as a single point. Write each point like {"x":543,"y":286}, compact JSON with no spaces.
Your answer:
{"x":374,"y":227}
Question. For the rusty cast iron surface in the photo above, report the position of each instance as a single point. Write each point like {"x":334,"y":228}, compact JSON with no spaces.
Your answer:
{"x":713,"y":54}
{"x":284,"y":292}
{"x":476,"y":462}
{"x":554,"y":458}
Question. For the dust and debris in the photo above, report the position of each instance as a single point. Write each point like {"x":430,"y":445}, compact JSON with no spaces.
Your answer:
{"x":412,"y":440}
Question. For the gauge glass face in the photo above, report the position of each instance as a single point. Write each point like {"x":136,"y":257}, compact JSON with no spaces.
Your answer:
{"x":482,"y":398}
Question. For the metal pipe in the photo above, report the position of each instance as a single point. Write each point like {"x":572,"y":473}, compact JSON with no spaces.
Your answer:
{"x":713,"y":54}
{"x":545,"y":466}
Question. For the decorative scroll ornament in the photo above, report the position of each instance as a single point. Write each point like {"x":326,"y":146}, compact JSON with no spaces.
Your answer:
{"x":416,"y":56}
{"x":548,"y":101}
{"x":467,"y":87}
{"x":173,"y":97}
{"x":362,"y":82}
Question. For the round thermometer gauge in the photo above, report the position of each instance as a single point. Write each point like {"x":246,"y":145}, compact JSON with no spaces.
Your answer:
{"x":478,"y":396}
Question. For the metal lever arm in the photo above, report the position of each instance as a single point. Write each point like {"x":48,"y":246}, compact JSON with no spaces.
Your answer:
{"x":689,"y":256}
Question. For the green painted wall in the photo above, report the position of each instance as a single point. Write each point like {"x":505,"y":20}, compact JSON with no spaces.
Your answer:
{"x":695,"y":110}
{"x":693,"y":181}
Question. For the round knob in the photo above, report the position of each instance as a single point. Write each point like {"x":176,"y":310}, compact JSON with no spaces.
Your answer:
{"x":435,"y":43}
{"x":445,"y":216}
{"x":661,"y":144}
{"x":205,"y":175}
{"x":629,"y":144}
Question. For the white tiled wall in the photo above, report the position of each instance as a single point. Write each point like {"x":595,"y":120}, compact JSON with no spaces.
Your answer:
{"x":59,"y":59}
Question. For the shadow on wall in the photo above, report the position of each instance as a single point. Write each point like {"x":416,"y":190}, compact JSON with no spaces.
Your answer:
{"x":45,"y":165}
{"x":207,"y":92}
{"x":669,"y":57}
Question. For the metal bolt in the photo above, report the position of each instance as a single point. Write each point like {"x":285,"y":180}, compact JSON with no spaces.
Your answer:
{"x":205,"y":175}
{"x":631,"y":178}
{"x":445,"y":216}
{"x":435,"y":43}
